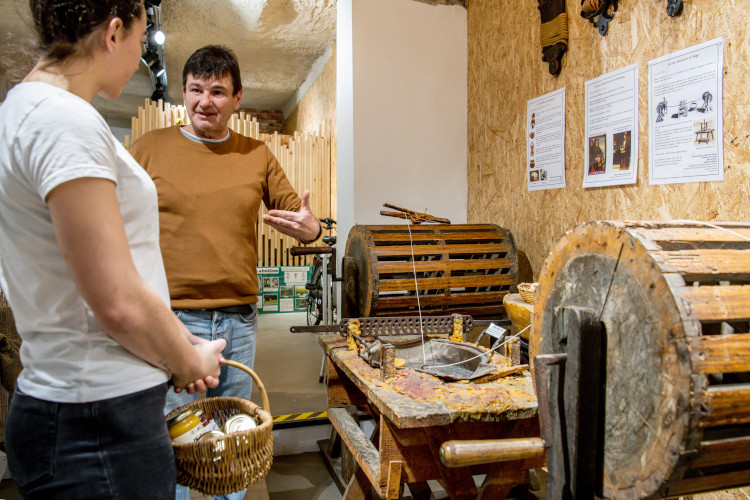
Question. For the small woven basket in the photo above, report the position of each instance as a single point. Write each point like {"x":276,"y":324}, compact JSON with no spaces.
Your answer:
{"x":528,"y":292}
{"x":236,"y":461}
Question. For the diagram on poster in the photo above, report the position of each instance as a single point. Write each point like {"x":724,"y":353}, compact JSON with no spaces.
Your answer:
{"x":685,"y":115}
{"x":611,"y":147}
{"x":545,"y":141}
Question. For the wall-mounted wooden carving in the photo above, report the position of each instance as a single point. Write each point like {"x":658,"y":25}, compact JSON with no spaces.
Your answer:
{"x":599,"y":13}
{"x":553,"y":33}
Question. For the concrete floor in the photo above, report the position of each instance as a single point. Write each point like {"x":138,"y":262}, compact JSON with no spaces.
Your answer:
{"x":288,"y":364}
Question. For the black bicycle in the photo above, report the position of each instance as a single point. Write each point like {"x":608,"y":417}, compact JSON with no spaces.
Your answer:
{"x":315,"y":285}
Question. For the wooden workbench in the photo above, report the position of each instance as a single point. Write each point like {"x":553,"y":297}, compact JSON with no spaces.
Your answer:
{"x":414,"y":414}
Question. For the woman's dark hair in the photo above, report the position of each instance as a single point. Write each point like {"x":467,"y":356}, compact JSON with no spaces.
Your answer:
{"x":63,"y":24}
{"x":213,"y":61}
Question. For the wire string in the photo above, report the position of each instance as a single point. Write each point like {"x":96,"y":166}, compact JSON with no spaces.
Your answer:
{"x":416,"y":290}
{"x":715,"y":227}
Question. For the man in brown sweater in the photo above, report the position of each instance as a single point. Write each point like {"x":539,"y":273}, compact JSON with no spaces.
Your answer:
{"x":210,"y":181}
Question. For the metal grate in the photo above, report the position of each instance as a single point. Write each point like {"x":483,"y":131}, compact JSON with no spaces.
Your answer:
{"x":406,"y":325}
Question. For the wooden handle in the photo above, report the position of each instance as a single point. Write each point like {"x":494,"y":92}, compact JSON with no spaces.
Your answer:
{"x":296,"y":251}
{"x":485,"y":451}
{"x":260,"y":385}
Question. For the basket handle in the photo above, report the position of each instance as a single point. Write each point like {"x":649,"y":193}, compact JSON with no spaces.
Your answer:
{"x":250,"y":372}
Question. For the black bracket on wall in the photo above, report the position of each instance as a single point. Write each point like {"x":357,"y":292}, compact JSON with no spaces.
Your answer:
{"x":674,"y":8}
{"x":598,"y":12}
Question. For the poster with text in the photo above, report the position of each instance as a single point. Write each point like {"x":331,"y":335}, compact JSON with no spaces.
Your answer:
{"x":545,"y":141}
{"x":611,"y":138}
{"x":686,"y":140}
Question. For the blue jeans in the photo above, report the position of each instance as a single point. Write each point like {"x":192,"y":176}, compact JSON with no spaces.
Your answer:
{"x":240,"y":332}
{"x":113,"y":448}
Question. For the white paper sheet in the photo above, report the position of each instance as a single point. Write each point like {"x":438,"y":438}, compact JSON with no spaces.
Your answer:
{"x":611,"y":138}
{"x":685,"y":108}
{"x":545,"y":141}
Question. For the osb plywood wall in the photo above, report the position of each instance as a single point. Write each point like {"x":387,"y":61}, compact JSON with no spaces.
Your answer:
{"x":506,"y":70}
{"x":317,"y":111}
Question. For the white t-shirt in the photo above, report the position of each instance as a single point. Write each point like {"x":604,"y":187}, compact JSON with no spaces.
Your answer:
{"x":49,"y":136}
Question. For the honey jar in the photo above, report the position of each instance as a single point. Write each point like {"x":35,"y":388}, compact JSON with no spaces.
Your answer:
{"x":185,"y":427}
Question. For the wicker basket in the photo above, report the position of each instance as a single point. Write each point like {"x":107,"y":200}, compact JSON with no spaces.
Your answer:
{"x":528,"y":292}
{"x":236,"y":461}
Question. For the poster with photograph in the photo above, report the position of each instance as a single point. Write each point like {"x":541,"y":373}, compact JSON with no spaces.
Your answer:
{"x":545,"y":141}
{"x":283,"y":289}
{"x":685,"y":108}
{"x":611,"y":139}
{"x":270,"y":283}
{"x":270,"y":302}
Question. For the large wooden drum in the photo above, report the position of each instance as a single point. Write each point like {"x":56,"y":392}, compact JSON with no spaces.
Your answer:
{"x":674,"y":302}
{"x":396,"y":270}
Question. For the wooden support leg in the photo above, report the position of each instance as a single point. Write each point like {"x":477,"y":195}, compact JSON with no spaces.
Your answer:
{"x":420,"y":491}
{"x":393,"y":483}
{"x":458,"y":482}
{"x":501,"y":479}
{"x":359,"y":487}
{"x":334,"y":444}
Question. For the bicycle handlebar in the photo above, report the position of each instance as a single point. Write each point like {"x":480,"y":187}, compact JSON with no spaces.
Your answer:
{"x":328,"y":222}
{"x":297,"y":251}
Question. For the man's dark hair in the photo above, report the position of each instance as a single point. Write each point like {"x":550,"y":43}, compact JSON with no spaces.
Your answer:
{"x":213,"y":61}
{"x":63,"y":25}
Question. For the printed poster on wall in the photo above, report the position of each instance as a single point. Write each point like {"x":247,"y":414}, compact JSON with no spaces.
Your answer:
{"x":685,"y":108}
{"x":545,"y":141}
{"x":611,"y":139}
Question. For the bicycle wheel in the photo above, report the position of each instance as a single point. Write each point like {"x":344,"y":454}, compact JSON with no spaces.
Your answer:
{"x":314,"y":314}
{"x":314,"y":300}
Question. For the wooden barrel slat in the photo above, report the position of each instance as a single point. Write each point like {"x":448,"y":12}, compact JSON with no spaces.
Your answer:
{"x":439,"y":300}
{"x":388,"y":285}
{"x":693,"y":264}
{"x":720,"y":353}
{"x":421,"y":266}
{"x":421,"y":250}
{"x":673,"y":299}
{"x":727,"y":405}
{"x":715,"y":303}
{"x":723,"y":451}
{"x":382,"y":264}
{"x":710,"y":483}
{"x":673,"y":234}
{"x":381,"y":238}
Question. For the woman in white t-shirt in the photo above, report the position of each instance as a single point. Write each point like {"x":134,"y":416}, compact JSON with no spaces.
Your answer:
{"x":81,"y":268}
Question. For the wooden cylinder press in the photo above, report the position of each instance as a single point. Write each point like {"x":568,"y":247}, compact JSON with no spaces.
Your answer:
{"x":455,"y":268}
{"x":672,"y":302}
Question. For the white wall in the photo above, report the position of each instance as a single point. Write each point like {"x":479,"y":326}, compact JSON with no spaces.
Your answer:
{"x":402,"y":110}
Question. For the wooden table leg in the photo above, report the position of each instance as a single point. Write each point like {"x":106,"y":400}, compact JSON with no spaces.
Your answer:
{"x":458,"y":482}
{"x":420,"y":491}
{"x":359,"y":487}
{"x":501,"y":479}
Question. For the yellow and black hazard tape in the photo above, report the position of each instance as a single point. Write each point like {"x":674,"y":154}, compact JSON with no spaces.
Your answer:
{"x":300,"y":419}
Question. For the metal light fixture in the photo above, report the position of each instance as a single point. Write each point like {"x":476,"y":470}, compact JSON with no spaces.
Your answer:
{"x":153,"y":50}
{"x":159,"y":37}
{"x":159,"y":93}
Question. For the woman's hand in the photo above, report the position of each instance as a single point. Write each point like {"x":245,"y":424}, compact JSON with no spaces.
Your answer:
{"x":211,"y":358}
